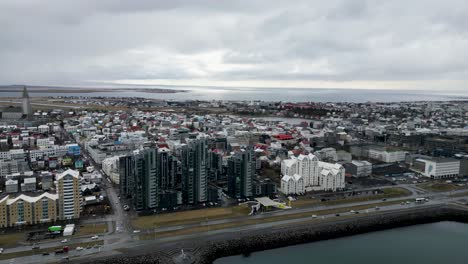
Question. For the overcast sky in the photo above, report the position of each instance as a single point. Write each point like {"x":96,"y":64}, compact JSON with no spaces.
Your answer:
{"x":344,"y":44}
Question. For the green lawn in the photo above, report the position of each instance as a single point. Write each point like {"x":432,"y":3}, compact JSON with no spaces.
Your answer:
{"x":198,"y":229}
{"x":187,"y":217}
{"x":11,"y":239}
{"x":92,"y":229}
{"x":439,"y":186}
{"x":387,"y":193}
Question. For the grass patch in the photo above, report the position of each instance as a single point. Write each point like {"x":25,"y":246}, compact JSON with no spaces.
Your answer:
{"x":188,"y":217}
{"x":439,"y":186}
{"x":199,"y":229}
{"x":463,"y":194}
{"x":12,"y":239}
{"x":50,"y":250}
{"x":92,"y":229}
{"x":387,"y":193}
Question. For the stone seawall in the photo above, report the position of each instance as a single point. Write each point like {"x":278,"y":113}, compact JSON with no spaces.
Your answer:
{"x":263,"y":239}
{"x":315,"y":232}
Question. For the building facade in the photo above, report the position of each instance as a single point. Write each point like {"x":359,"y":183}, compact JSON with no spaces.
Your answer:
{"x":28,"y":210}
{"x":194,"y":171}
{"x":68,"y":189}
{"x":438,"y":168}
{"x":139,"y":178}
{"x":314,"y":175}
{"x":241,"y":171}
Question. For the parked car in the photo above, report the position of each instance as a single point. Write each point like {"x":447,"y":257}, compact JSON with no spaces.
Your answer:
{"x":95,"y":237}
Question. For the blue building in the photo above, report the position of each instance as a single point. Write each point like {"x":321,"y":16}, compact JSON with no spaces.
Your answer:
{"x":74,"y":150}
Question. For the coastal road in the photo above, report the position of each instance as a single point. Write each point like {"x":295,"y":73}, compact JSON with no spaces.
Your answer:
{"x":124,"y":239}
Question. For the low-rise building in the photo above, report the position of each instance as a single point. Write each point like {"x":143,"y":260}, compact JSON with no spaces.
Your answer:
{"x":387,"y":156}
{"x":359,"y":168}
{"x":11,"y":186}
{"x":28,"y":185}
{"x":437,"y":168}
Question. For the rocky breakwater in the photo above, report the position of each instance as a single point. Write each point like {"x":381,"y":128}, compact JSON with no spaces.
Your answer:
{"x":306,"y":233}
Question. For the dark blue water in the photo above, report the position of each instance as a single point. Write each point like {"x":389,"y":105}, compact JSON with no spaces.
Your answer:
{"x":438,"y":243}
{"x":277,"y":94}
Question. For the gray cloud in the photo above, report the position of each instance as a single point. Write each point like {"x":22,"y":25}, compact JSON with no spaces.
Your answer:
{"x":74,"y":42}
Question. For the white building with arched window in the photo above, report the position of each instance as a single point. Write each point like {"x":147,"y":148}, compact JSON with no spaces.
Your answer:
{"x":307,"y":173}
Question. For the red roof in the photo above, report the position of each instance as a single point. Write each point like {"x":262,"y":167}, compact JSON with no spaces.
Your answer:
{"x":283,"y":137}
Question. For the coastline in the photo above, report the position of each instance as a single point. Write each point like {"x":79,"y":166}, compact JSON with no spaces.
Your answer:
{"x":91,"y":90}
{"x":285,"y":236}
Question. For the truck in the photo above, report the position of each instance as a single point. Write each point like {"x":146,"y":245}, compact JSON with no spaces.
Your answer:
{"x":55,"y":229}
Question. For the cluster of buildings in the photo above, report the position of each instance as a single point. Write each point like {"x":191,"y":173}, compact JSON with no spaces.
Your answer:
{"x":307,"y":173}
{"x":29,"y":208}
{"x":190,"y":156}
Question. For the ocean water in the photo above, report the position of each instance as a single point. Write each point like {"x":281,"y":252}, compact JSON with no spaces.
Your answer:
{"x":276,"y":94}
{"x":437,"y":243}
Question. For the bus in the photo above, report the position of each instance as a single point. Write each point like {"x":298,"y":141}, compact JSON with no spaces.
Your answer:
{"x":421,"y":200}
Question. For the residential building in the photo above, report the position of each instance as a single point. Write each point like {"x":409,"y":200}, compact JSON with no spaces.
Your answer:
{"x":241,"y":171}
{"x":28,"y":210}
{"x":316,"y":175}
{"x":111,"y":168}
{"x":139,"y":178}
{"x":68,"y":188}
{"x":194,"y":171}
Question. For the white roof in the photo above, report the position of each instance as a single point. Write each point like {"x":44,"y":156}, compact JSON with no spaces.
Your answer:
{"x":289,"y":162}
{"x":297,"y":177}
{"x":325,"y":172}
{"x":10,"y":181}
{"x":286,"y":178}
{"x":265,"y":201}
{"x":71,"y":172}
{"x":31,"y":199}
{"x":29,"y":180}
{"x":90,"y":198}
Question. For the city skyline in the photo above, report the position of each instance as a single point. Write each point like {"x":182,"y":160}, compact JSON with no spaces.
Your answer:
{"x":338,"y":44}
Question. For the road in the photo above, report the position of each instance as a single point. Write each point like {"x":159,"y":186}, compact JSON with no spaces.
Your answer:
{"x":124,"y":238}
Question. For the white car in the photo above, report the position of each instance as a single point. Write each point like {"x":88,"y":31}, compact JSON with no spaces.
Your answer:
{"x":314,"y":216}
{"x":95,"y":237}
{"x":79,"y":248}
{"x":1,"y":250}
{"x":64,"y":241}
{"x":136,"y":231}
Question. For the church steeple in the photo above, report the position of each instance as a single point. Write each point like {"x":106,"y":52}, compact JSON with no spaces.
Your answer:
{"x":25,"y":93}
{"x":27,"y":110}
